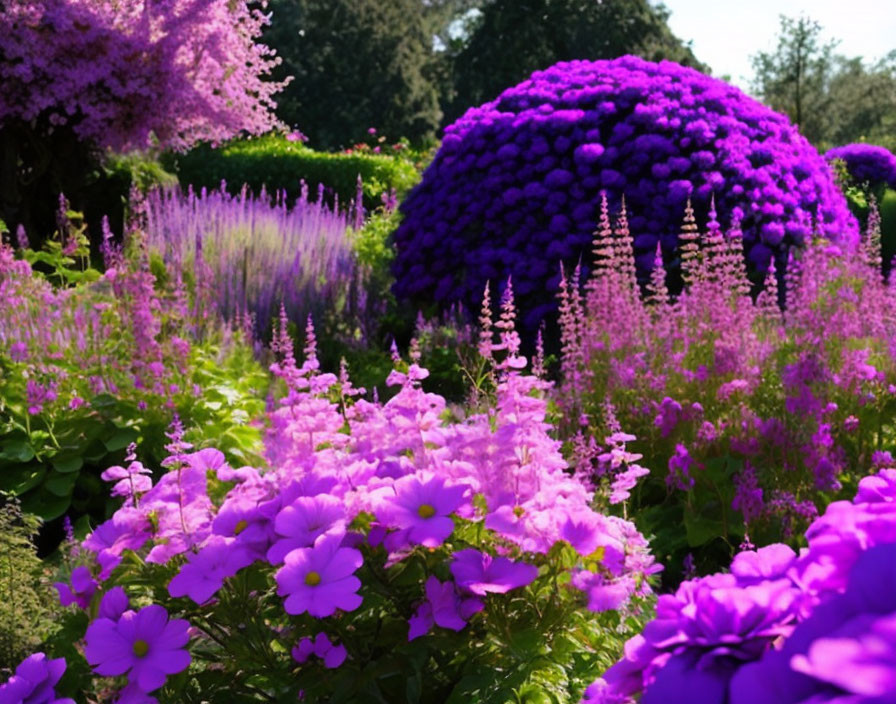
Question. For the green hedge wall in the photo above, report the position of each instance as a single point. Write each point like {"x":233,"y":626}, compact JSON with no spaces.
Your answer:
{"x":279,"y":164}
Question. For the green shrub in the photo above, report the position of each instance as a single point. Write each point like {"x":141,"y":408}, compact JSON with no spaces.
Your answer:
{"x":27,"y":597}
{"x":276,"y":163}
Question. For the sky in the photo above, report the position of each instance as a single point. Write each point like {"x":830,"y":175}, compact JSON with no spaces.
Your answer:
{"x":725,"y":33}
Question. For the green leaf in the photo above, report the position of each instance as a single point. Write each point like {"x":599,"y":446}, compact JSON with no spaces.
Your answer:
{"x":20,"y":480}
{"x":69,"y":463}
{"x":18,"y":451}
{"x":44,"y":504}
{"x":120,"y":439}
{"x":61,"y":484}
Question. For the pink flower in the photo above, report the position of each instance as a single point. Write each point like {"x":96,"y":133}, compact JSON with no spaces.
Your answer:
{"x":423,"y":505}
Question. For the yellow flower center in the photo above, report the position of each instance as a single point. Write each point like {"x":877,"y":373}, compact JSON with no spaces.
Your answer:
{"x":426,"y":511}
{"x":518,"y":511}
{"x":141,"y":648}
{"x":240,"y":527}
{"x":312,"y":579}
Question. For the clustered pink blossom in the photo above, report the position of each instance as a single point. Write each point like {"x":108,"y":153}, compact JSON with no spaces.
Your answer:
{"x":173,"y":71}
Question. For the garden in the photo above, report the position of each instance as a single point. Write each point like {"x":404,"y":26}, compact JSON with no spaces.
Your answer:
{"x":576,"y":388}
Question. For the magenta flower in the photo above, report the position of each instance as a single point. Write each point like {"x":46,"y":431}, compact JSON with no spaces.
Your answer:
{"x":320,"y":579}
{"x":481,"y":573}
{"x":423,"y":505}
{"x":303,"y":522}
{"x":332,"y":655}
{"x":81,"y":590}
{"x":204,"y":573}
{"x":33,"y":682}
{"x":129,"y":481}
{"x":143,"y":644}
{"x":443,"y":607}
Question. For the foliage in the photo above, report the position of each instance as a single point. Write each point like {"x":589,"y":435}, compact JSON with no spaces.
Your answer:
{"x":751,"y":419}
{"x":79,"y":76}
{"x":278,"y":164}
{"x":90,"y":363}
{"x":417,"y":557}
{"x":780,"y":628}
{"x":27,"y":602}
{"x":357,"y":64}
{"x":509,"y":40}
{"x":514,"y":189}
{"x":832,"y":98}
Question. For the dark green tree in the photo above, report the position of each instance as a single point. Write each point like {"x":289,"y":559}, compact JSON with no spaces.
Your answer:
{"x":357,"y":64}
{"x":863,"y":102}
{"x":513,"y":38}
{"x":795,"y":78}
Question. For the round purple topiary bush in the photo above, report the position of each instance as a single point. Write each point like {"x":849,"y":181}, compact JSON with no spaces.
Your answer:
{"x":515,"y":187}
{"x":867,"y":163}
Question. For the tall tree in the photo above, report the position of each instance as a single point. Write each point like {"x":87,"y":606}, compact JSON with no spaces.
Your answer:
{"x":357,"y":64}
{"x":513,"y":38}
{"x":795,"y":78}
{"x":832,"y":98}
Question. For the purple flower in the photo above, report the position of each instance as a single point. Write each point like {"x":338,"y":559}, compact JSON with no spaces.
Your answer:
{"x":143,"y":644}
{"x":205,"y":571}
{"x":81,"y":591}
{"x":332,"y":655}
{"x":443,"y":607}
{"x":304,"y":521}
{"x":423,"y":505}
{"x":113,"y":604}
{"x":34,"y":681}
{"x":481,"y":573}
{"x":320,"y":579}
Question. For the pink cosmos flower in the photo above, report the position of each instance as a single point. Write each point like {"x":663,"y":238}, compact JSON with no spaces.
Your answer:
{"x":320,"y":579}
{"x":81,"y":590}
{"x":144,"y":644}
{"x":423,"y":505}
{"x":129,"y":481}
{"x":204,"y":573}
{"x":481,"y":573}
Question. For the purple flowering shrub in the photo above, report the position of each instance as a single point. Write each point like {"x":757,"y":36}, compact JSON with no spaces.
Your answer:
{"x":91,"y":362}
{"x":866,"y":163}
{"x":387,"y":552}
{"x":750,"y":418}
{"x":781,"y":628}
{"x":514,"y":189}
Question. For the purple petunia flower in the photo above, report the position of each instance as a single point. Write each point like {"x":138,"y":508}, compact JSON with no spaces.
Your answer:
{"x":481,"y":573}
{"x":332,"y":655}
{"x":143,"y":644}
{"x":320,"y":579}
{"x":443,"y":607}
{"x":304,"y":521}
{"x":81,"y":591}
{"x":204,"y":573}
{"x":34,"y":681}
{"x":423,"y":505}
{"x":113,"y":604}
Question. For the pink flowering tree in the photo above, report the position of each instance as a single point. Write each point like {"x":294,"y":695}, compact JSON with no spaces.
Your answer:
{"x":80,"y":76}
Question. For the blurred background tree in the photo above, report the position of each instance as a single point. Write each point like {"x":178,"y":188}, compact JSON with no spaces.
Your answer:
{"x":834,"y":99}
{"x":509,"y":39}
{"x":408,"y":67}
